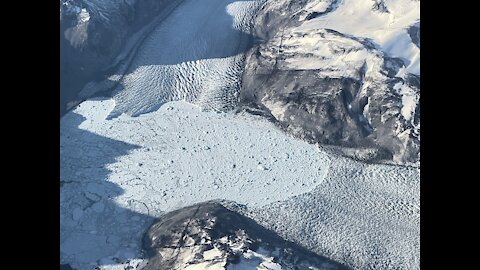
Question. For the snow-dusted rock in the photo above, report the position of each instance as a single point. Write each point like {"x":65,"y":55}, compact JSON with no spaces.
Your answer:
{"x":209,"y":236}
{"x":351,"y":88}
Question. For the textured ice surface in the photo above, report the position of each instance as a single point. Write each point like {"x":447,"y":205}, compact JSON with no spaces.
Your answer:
{"x":164,"y":160}
{"x":364,"y":215}
{"x":183,"y":155}
{"x":119,"y":173}
{"x":196,"y":54}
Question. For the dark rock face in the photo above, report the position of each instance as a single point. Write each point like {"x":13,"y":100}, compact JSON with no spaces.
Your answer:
{"x":343,"y":91}
{"x":92,"y":34}
{"x":209,"y":235}
{"x":308,"y":109}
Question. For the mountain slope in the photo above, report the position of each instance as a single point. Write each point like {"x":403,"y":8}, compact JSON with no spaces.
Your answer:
{"x":334,"y":82}
{"x":209,"y":236}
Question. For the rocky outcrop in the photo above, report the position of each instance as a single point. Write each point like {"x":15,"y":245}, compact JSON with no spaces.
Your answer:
{"x":209,"y":236}
{"x":331,"y":88}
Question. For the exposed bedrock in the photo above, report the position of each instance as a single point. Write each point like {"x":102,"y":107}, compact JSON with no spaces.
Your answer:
{"x":209,"y":236}
{"x":331,"y":88}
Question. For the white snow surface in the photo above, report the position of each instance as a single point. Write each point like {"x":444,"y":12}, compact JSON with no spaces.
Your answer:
{"x":165,"y":160}
{"x":330,"y":54}
{"x":387,"y":29}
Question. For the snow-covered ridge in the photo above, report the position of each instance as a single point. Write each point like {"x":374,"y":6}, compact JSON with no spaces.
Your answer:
{"x":386,"y":22}
{"x":331,"y":54}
